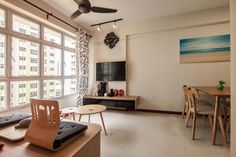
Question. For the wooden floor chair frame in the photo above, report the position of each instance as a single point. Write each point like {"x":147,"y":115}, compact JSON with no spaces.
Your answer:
{"x":44,"y":124}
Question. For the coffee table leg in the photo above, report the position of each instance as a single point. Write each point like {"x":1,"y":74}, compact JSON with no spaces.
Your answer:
{"x":103,"y":123}
{"x":79,"y":117}
{"x":73,"y":114}
{"x":89,"y":118}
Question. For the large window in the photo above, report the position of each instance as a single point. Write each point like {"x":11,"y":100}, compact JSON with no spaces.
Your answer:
{"x":34,"y":64}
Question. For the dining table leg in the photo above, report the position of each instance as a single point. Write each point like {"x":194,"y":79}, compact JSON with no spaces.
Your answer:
{"x":217,"y":103}
{"x":217,"y":116}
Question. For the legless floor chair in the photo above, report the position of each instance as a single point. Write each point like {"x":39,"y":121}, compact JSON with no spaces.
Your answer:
{"x":46,"y":130}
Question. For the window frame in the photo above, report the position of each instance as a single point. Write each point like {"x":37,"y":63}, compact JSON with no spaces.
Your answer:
{"x":10,"y":33}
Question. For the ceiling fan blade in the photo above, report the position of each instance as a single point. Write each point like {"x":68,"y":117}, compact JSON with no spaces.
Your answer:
{"x":75,"y":14}
{"x":103,"y":10}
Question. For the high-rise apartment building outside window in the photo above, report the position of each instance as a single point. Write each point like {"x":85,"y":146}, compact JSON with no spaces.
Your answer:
{"x":2,"y":18}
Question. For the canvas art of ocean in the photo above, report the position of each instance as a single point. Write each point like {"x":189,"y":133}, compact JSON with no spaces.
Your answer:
{"x":205,"y":49}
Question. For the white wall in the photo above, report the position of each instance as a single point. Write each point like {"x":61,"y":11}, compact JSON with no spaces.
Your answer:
{"x":152,"y":54}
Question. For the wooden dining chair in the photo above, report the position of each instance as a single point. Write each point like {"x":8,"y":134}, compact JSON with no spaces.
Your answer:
{"x":207,"y":110}
{"x":185,"y":110}
{"x":198,"y":102}
{"x":198,"y":109}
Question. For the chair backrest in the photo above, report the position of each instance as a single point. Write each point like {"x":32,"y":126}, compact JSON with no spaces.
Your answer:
{"x":192,"y":97}
{"x":44,"y":124}
{"x":185,"y":89}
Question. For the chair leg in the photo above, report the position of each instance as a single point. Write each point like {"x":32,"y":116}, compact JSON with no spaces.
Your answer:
{"x":184,"y":111}
{"x":225,"y":116}
{"x":222,"y":129}
{"x":228,"y":127}
{"x":80,"y":117}
{"x":194,"y":125}
{"x":210,"y":120}
{"x":187,"y":118}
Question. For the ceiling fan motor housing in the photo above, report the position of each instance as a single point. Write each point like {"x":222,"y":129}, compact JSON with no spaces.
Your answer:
{"x":84,"y":6}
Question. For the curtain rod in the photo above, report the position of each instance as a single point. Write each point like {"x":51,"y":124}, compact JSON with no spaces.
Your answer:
{"x":51,"y":14}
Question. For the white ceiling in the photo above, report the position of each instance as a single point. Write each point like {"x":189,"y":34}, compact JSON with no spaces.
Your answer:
{"x":134,"y":10}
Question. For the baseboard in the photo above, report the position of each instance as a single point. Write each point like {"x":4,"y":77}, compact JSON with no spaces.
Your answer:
{"x":159,"y":111}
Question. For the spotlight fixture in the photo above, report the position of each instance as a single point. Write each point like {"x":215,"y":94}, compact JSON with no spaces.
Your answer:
{"x":99,"y":28}
{"x":114,"y":24}
{"x":102,"y":23}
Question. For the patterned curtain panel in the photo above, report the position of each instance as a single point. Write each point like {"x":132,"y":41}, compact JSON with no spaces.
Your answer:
{"x":82,"y":69}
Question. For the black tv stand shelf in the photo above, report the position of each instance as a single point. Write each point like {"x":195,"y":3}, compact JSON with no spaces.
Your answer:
{"x":122,"y":102}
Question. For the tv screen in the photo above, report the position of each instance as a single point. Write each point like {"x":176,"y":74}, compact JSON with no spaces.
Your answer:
{"x":111,"y":71}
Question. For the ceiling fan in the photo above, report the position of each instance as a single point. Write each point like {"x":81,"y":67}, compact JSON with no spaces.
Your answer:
{"x":84,"y":6}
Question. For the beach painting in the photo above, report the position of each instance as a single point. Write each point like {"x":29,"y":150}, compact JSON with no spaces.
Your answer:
{"x":205,"y":49}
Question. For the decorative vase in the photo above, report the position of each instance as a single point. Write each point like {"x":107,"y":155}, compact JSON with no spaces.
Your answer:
{"x":220,"y":85}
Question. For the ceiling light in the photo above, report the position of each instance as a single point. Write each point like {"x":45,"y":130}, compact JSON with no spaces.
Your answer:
{"x":114,"y":24}
{"x":102,"y":23}
{"x":99,"y":28}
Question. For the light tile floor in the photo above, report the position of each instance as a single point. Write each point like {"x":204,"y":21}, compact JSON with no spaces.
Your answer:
{"x":139,"y":134}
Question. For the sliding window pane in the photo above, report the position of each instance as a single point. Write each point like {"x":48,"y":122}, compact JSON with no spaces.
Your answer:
{"x":2,"y":18}
{"x":52,"y":61}
{"x":52,"y":36}
{"x":22,"y":91}
{"x":69,"y":86}
{"x":69,"y":63}
{"x":25,"y":58}
{"x":25,"y":26}
{"x":69,"y":42}
{"x":3,"y":95}
{"x":2,"y":55}
{"x":52,"y":88}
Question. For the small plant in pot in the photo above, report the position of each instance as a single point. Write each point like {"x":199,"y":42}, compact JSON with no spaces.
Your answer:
{"x":220,"y":85}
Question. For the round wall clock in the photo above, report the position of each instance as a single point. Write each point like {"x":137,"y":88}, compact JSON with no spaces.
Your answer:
{"x":111,"y":40}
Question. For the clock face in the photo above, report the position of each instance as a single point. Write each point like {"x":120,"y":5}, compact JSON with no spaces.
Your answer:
{"x":111,"y":40}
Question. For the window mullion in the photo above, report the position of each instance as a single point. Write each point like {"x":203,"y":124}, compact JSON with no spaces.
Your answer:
{"x":8,"y":55}
{"x":41,"y":62}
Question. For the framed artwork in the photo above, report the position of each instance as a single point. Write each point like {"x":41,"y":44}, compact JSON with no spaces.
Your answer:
{"x":205,"y":49}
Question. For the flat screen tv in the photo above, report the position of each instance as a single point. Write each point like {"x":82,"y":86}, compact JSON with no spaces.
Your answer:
{"x":111,"y":71}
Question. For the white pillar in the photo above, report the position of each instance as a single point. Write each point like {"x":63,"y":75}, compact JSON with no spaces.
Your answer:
{"x":233,"y":75}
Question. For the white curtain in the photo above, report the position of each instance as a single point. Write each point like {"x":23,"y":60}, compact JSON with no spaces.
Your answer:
{"x":82,"y":60}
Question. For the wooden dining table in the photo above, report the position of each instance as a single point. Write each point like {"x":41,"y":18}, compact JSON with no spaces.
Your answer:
{"x":218,"y":94}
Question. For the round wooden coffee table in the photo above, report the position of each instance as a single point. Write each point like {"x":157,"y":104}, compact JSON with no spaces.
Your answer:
{"x":91,"y":109}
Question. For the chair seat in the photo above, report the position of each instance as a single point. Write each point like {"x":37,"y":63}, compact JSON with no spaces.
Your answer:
{"x":202,"y":102}
{"x":204,"y":109}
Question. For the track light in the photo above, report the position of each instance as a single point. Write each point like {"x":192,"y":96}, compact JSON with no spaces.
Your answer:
{"x":102,"y":23}
{"x":99,"y":28}
{"x":114,"y":24}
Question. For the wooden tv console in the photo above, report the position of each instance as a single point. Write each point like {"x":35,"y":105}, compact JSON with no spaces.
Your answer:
{"x":124,"y":102}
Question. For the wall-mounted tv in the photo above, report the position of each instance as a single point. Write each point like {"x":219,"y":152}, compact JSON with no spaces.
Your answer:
{"x":111,"y":71}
